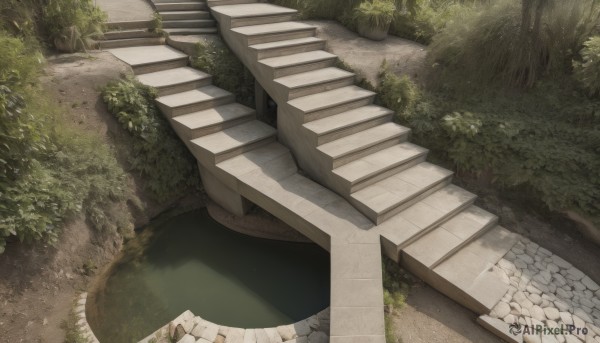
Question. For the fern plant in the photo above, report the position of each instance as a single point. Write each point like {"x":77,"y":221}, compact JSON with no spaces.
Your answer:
{"x":375,"y":13}
{"x":587,"y":72}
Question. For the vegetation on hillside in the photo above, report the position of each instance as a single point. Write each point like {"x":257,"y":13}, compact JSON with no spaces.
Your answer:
{"x":48,"y":171}
{"x":156,"y":154}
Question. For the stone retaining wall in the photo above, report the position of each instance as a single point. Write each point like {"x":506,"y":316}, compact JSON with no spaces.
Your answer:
{"x":546,"y":290}
{"x":188,"y":328}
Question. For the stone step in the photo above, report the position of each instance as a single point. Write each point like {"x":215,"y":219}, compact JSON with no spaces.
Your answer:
{"x":181,"y":6}
{"x":385,"y":198}
{"x":184,"y":15}
{"x":129,"y":42}
{"x":375,"y":167}
{"x":214,"y":3}
{"x":191,"y":31}
{"x":252,"y":14}
{"x":277,"y":67}
{"x":259,"y":34}
{"x":325,"y":104}
{"x":149,"y":59}
{"x":192,"y":23}
{"x":176,"y":80}
{"x":220,"y":146}
{"x":195,"y":100}
{"x":469,"y":276}
{"x":129,"y":25}
{"x":286,"y":47}
{"x":439,"y":244}
{"x":340,"y":125}
{"x":197,"y":124}
{"x":273,"y":160}
{"x":355,"y":146}
{"x":425,"y":215}
{"x":128,"y":34}
{"x":316,"y":81}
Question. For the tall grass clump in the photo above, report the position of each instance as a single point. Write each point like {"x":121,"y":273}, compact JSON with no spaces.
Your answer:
{"x":157,"y":154}
{"x":511,"y":45}
{"x":587,"y":71}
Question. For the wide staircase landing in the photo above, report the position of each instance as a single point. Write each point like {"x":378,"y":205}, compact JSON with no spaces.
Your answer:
{"x":379,"y":195}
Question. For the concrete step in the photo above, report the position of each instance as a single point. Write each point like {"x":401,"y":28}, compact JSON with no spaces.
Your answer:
{"x":176,"y":80}
{"x":272,"y":160}
{"x":197,"y":124}
{"x":252,"y":14}
{"x":316,"y":81}
{"x":439,"y":244}
{"x":214,"y":3}
{"x":129,"y":34}
{"x":191,"y":31}
{"x":220,"y":146}
{"x":277,"y":67}
{"x":385,"y":198}
{"x":355,"y":146}
{"x":130,"y":42}
{"x":191,"y":23}
{"x":129,"y":25}
{"x":149,"y":59}
{"x":420,"y":218}
{"x":375,"y":167}
{"x":176,"y":1}
{"x":184,"y":15}
{"x":286,"y":47}
{"x":340,"y":125}
{"x":259,"y":34}
{"x":195,"y":100}
{"x":469,"y":276}
{"x":181,"y":6}
{"x":325,"y":104}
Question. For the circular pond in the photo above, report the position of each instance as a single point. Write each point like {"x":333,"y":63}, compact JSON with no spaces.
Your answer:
{"x":191,"y":262}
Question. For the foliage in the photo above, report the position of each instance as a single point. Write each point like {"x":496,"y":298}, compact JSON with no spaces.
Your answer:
{"x":545,"y":141}
{"x":227,"y":70}
{"x":157,"y":153}
{"x":587,"y":71}
{"x":157,"y":23}
{"x":399,"y":93}
{"x":493,"y":43}
{"x":72,"y":21}
{"x":395,"y":291}
{"x":375,"y":13}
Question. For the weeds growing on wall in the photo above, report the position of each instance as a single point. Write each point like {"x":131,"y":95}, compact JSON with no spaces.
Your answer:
{"x":157,"y":154}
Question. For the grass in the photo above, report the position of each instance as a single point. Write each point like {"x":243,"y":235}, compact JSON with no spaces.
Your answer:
{"x":395,"y":290}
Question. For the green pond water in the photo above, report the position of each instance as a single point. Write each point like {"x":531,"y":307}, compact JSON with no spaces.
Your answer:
{"x":191,"y":262}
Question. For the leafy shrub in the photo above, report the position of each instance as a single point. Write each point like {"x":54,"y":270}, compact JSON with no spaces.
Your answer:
{"x":375,"y":13}
{"x":545,"y":142}
{"x":398,"y":93}
{"x":395,"y":291}
{"x":72,"y":21}
{"x":227,"y":70}
{"x":157,"y":154}
{"x":587,"y":71}
{"x":496,"y":44}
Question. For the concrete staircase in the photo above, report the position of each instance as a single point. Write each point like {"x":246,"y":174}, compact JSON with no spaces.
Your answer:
{"x":351,"y":146}
{"x":185,"y":17}
{"x":129,"y":33}
{"x":369,"y":190}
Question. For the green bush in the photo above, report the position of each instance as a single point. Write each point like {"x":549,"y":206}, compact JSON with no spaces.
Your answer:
{"x":494,"y":43}
{"x":72,"y":21}
{"x":375,"y":13}
{"x":587,"y":71}
{"x":398,"y":93}
{"x":157,"y":154}
{"x":543,"y":143}
{"x":227,"y":70}
{"x":395,"y":291}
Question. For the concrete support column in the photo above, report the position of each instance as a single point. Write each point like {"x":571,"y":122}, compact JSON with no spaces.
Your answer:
{"x":262,"y":100}
{"x":223,"y":195}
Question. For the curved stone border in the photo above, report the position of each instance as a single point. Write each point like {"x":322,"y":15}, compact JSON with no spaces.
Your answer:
{"x":82,"y":324}
{"x":546,"y":290}
{"x":188,"y":328}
